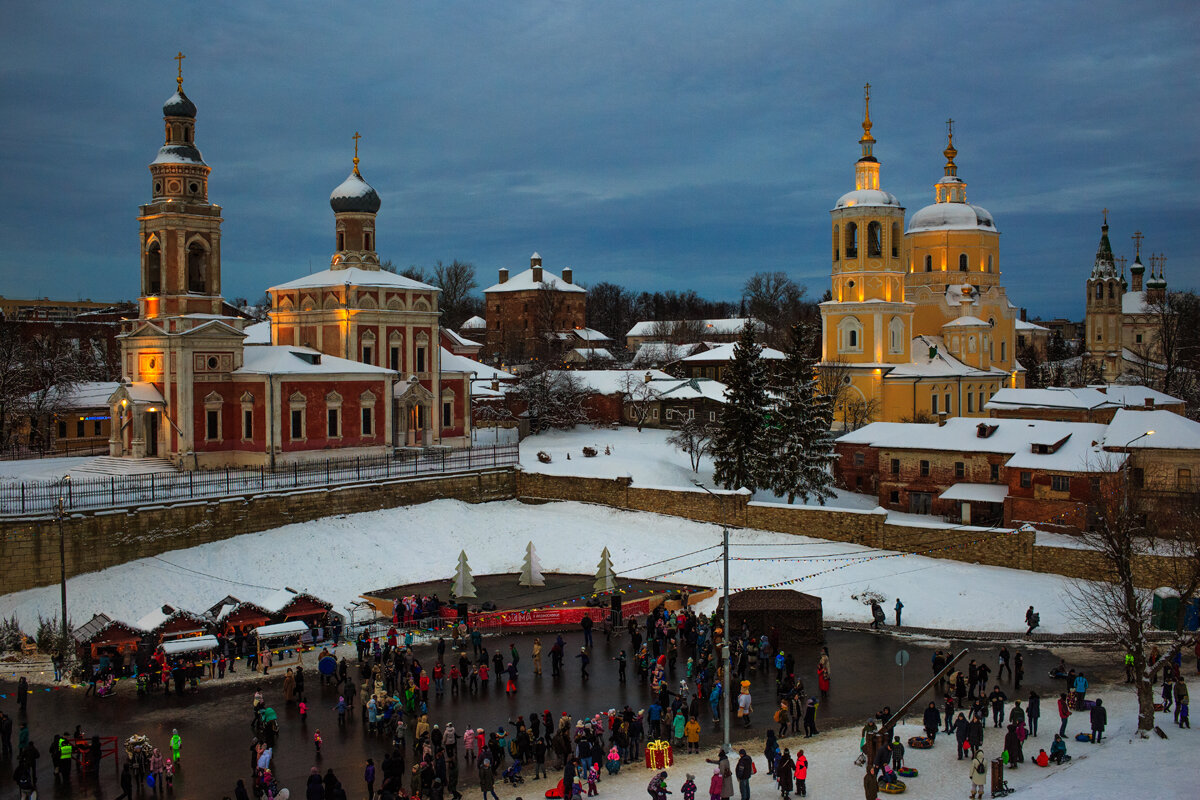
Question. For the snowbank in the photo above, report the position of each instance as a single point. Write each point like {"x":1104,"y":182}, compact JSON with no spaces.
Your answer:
{"x":337,"y":558}
{"x":40,"y":469}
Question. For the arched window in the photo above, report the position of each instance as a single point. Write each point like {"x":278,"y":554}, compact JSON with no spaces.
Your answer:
{"x":153,"y":268}
{"x":896,"y":336}
{"x":970,"y":344}
{"x":367,"y":240}
{"x":1111,"y":290}
{"x":851,"y":240}
{"x":1099,"y":291}
{"x":837,"y":248}
{"x":962,"y":262}
{"x":849,"y":336}
{"x":341,"y":240}
{"x":989,"y":262}
{"x":896,"y":235}
{"x":874,"y":239}
{"x":197,"y":268}
{"x":929,"y":263}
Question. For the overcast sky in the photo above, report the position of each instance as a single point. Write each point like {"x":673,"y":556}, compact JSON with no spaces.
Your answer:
{"x":658,"y":145}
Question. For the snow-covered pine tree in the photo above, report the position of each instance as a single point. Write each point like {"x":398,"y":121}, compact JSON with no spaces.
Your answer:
{"x":740,"y":447}
{"x":800,"y":438}
{"x":606,"y":579}
{"x":531,"y":569}
{"x":464,"y":582}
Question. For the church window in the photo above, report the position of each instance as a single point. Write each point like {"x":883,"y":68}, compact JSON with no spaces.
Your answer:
{"x":368,"y":354}
{"x":334,"y":418}
{"x":947,"y":402}
{"x":837,"y":249}
{"x":367,"y":241}
{"x":850,"y":335}
{"x":212,"y":424}
{"x":896,"y":239}
{"x":420,"y":359}
{"x":447,"y":413}
{"x":970,"y":344}
{"x":1099,"y":291}
{"x":197,"y":268}
{"x":962,"y":262}
{"x":157,"y":188}
{"x":154,"y":268}
{"x":194,"y":188}
{"x":874,"y":239}
{"x":896,"y":335}
{"x":212,"y":362}
{"x":247,"y":423}
{"x":1138,"y":338}
{"x":1111,"y":289}
{"x":1099,"y":336}
{"x":187,"y":135}
{"x":297,"y":424}
{"x":989,"y":262}
{"x":851,"y":240}
{"x":853,"y":338}
{"x":1004,"y":351}
{"x":981,"y":411}
{"x":368,"y":422}
{"x":929,"y":263}
{"x":341,"y":240}
{"x":970,"y":410}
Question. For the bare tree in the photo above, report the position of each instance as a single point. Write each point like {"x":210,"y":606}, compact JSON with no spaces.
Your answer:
{"x":694,"y":438}
{"x":776,"y":300}
{"x":14,"y":380}
{"x":553,"y":399}
{"x":833,"y":379}
{"x":859,"y":411}
{"x":1115,"y":602}
{"x":53,"y":369}
{"x":640,"y":396}
{"x":457,"y":281}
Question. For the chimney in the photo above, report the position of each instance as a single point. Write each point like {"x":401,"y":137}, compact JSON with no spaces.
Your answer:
{"x":503,"y":275}
{"x":537,"y":270}
{"x":1023,"y":315}
{"x":1149,"y":402}
{"x":941,"y":418}
{"x":567,"y":275}
{"x":535,"y":260}
{"x":495,"y":384}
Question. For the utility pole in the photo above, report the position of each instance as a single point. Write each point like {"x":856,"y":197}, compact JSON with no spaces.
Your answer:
{"x":62,"y":559}
{"x":725,"y":653}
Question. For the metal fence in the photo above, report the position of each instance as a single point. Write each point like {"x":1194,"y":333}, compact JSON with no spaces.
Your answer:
{"x":123,"y":491}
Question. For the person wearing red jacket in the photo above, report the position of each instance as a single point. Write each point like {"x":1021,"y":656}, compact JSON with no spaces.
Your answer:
{"x":1064,"y":713}
{"x":801,"y":773}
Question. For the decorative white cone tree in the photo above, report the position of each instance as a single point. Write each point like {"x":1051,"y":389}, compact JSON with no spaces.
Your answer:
{"x":606,"y":580}
{"x":464,"y":583}
{"x":531,"y":570}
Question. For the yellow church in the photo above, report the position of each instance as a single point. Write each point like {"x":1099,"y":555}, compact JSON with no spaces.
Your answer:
{"x":918,"y":324}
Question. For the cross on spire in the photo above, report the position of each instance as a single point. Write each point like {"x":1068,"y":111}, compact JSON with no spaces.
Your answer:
{"x":356,"y":137}
{"x":179,"y":79}
{"x":1105,"y":211}
{"x":867,"y":140}
{"x":1137,"y":238}
{"x":950,"y":128}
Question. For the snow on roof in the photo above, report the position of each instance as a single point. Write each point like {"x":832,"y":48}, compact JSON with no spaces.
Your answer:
{"x":612,"y":381}
{"x":462,"y":341}
{"x":695,"y":389}
{"x":354,"y":276}
{"x":474,"y":323}
{"x":281,"y":630}
{"x":192,"y":644}
{"x":139,"y":392}
{"x":1135,"y":395}
{"x":1023,"y":325}
{"x":967,"y":321}
{"x":976,"y":492}
{"x":941,"y":363}
{"x":1171,"y":431}
{"x":456,"y":363}
{"x":593,"y":354}
{"x":591,"y":335}
{"x":723,"y":327}
{"x":86,"y":394}
{"x":952,"y":217}
{"x":178,"y":154}
{"x":524,"y":280}
{"x":867,"y":197}
{"x":258,"y":333}
{"x":1134,"y":303}
{"x":654,"y":353}
{"x":1079,"y":398}
{"x":158,"y":617}
{"x":267,"y":359}
{"x":724,"y":352}
{"x":1080,"y":452}
{"x":955,"y":294}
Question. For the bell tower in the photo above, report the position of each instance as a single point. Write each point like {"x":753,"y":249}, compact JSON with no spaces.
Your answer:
{"x":1102,"y":323}
{"x":180,"y":229}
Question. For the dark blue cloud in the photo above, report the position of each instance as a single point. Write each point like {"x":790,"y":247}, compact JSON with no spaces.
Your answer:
{"x":664,"y":145}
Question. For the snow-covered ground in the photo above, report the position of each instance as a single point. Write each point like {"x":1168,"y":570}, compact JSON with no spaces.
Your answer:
{"x":40,"y":469}
{"x":338,"y":558}
{"x":1121,"y":766}
{"x":646,"y":456}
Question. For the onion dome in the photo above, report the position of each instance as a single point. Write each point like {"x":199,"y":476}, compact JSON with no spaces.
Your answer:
{"x":952,"y":217}
{"x":354,"y":194}
{"x":867,"y":197}
{"x":178,"y":105}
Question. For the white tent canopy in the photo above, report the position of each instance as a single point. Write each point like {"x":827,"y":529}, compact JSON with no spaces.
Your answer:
{"x":976,"y":492}
{"x":281,"y":630}
{"x":192,"y":644}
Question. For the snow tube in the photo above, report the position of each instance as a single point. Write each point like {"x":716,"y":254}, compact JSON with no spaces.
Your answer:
{"x":920,"y":742}
{"x":1083,"y":737}
{"x":907,"y":772}
{"x":897,"y":787}
{"x":556,"y":791}
{"x":327,"y":665}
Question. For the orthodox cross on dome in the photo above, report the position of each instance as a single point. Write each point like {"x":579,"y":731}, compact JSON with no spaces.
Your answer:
{"x":356,"y":137}
{"x":1105,"y":212}
{"x":950,"y":152}
{"x":1137,"y":243}
{"x":1121,"y":263}
{"x":179,"y":78}
{"x":866,"y":123}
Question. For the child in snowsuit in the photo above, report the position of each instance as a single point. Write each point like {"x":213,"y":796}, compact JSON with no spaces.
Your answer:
{"x":688,"y":790}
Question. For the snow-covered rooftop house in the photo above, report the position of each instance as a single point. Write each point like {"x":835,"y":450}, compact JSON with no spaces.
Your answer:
{"x":673,"y":402}
{"x":659,"y":354}
{"x":1085,"y":404}
{"x":714,"y":361}
{"x":589,"y":355}
{"x":990,"y":471}
{"x":708,"y":330}
{"x":524,"y":310}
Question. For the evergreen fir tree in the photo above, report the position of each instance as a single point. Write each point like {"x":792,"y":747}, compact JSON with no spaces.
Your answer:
{"x":464,"y":582}
{"x":740,"y":446}
{"x":801,"y":440}
{"x":606,"y":579}
{"x":531,"y":569}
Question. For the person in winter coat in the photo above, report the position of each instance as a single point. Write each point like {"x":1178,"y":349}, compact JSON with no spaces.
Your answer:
{"x":960,"y":733}
{"x":870,"y":786}
{"x":1099,"y":720}
{"x":1012,"y":743}
{"x":369,"y":778}
{"x":487,"y":780}
{"x":932,"y":720}
{"x":810,"y":718}
{"x":315,"y":789}
{"x":1181,"y":705}
{"x":1064,"y":713}
{"x":691,"y":732}
{"x":975,"y":733}
{"x":770,"y":750}
{"x":978,"y":774}
{"x":1058,"y":750}
{"x":714,"y":785}
{"x":1033,"y":711}
{"x":784,"y":773}
{"x":742,"y":771}
{"x":801,"y":775}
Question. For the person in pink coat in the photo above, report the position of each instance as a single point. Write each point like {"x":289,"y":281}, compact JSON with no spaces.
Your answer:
{"x":469,"y":744}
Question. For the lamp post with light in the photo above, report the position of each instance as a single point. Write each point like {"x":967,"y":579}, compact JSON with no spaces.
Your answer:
{"x":725,"y":659}
{"x":63,"y":485}
{"x":1128,"y":460}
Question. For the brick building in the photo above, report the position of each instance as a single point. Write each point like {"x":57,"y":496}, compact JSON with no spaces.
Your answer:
{"x":714,"y":362}
{"x":1091,"y":404}
{"x":527,"y":314}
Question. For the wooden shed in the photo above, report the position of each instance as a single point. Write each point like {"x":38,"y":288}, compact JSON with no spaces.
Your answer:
{"x":797,"y":616}
{"x":103,"y":635}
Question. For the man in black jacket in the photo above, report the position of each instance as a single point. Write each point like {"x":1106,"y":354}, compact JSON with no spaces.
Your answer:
{"x":1099,"y":720}
{"x":932,"y":720}
{"x":743,"y":771}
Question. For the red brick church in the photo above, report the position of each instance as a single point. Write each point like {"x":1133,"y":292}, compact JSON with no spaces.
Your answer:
{"x":354,"y":362}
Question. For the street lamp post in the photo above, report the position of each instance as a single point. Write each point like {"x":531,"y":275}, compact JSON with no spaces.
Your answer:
{"x":1128,"y":459}
{"x":62,"y":557}
{"x":725,"y":658}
